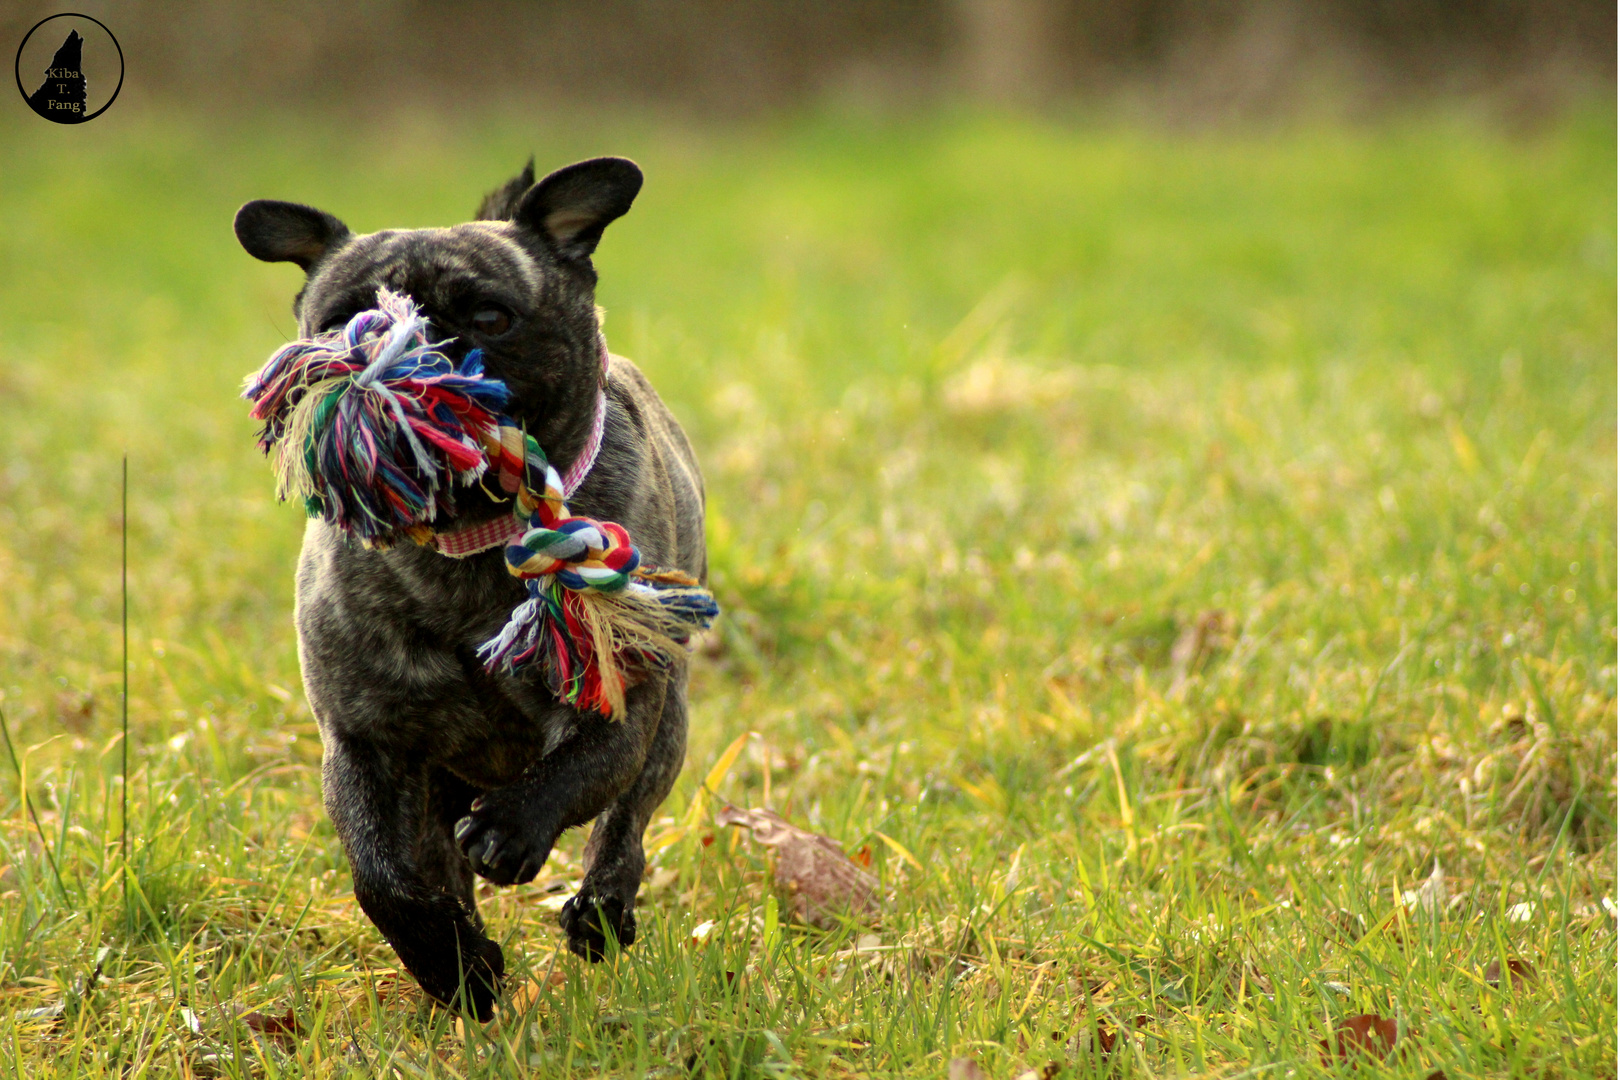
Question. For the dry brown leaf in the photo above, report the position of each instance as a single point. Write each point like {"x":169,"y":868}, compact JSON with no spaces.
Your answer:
{"x":817,"y":878}
{"x":75,"y":709}
{"x":1519,"y":972}
{"x":1108,"y":1038}
{"x":1047,"y":1072}
{"x":1364,"y":1033}
{"x":277,"y":1027}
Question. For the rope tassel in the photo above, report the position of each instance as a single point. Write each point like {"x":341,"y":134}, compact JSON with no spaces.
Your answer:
{"x":373,"y":427}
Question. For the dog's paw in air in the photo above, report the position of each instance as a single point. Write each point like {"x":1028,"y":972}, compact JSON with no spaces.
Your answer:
{"x":502,"y":841}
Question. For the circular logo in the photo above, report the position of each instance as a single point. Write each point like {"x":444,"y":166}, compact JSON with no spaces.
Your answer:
{"x":69,"y":68}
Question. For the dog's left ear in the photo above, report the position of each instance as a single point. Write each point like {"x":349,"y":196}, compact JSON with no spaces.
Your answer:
{"x":570,"y":208}
{"x":502,"y":203}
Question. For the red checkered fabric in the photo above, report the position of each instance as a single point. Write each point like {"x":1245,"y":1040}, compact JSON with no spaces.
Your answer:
{"x":481,"y":537}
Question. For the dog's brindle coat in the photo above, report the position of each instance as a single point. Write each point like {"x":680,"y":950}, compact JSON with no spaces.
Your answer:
{"x":433,"y":768}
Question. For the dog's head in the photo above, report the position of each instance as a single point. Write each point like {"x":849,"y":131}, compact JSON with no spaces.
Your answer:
{"x":518,"y":283}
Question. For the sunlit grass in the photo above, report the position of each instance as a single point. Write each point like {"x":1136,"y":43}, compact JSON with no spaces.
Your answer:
{"x":1176,"y":545}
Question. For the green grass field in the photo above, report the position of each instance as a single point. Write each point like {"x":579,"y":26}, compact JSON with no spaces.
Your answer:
{"x":1157,"y":553}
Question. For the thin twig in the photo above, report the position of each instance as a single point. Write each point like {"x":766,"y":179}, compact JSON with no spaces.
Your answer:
{"x":123,"y":747}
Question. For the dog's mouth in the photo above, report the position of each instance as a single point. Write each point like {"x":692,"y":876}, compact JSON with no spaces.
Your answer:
{"x":478,"y":502}
{"x":382,"y":430}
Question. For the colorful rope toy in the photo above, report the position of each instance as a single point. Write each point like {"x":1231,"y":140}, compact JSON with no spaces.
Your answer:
{"x":373,"y":427}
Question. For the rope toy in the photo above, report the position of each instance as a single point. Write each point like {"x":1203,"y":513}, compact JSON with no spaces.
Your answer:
{"x":373,"y":427}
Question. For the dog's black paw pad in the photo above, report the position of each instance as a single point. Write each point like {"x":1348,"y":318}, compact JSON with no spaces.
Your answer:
{"x":502,"y":846}
{"x":590,"y":918}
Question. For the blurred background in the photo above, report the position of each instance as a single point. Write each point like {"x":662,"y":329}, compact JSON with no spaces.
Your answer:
{"x":1192,"y":60}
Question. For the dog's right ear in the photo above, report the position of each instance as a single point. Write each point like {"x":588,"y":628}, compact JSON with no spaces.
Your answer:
{"x":288,"y":232}
{"x":570,"y":208}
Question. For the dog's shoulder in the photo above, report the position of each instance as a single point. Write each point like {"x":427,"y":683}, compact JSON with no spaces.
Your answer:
{"x":635,"y":393}
{"x":646,"y":476}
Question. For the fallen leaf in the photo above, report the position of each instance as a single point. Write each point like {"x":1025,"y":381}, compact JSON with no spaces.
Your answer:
{"x":1047,"y":1071}
{"x":964,"y":1069}
{"x":277,"y":1027}
{"x":75,"y":709}
{"x":1108,"y":1038}
{"x":1519,"y":971}
{"x":817,"y":877}
{"x":1430,"y":897}
{"x":1364,"y":1033}
{"x":35,"y":1016}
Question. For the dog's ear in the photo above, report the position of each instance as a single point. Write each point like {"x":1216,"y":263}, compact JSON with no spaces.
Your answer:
{"x":502,"y":203}
{"x":570,"y":208}
{"x":288,"y":232}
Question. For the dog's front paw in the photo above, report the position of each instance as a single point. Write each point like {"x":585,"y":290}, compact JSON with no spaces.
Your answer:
{"x":466,"y":971}
{"x":502,"y":841}
{"x":589,"y":918}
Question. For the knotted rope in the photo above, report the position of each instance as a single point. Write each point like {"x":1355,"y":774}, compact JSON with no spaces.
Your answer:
{"x":373,"y":426}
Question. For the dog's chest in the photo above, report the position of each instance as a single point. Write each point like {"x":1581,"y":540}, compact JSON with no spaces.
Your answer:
{"x":388,"y":645}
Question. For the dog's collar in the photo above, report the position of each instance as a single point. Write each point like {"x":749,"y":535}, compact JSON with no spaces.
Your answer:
{"x":504,"y":531}
{"x":586,"y":460}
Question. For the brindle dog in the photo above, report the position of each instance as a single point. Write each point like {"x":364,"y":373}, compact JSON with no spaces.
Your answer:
{"x":435,"y":769}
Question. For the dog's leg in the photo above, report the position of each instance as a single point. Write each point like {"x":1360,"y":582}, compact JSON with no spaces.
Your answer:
{"x":379,"y":804}
{"x":614,"y":858}
{"x":509,"y":831}
{"x":438,"y":857}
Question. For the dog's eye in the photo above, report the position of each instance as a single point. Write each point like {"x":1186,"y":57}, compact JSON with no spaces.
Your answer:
{"x":492,"y":321}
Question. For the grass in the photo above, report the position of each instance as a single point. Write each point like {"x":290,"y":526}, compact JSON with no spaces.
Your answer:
{"x":1158,"y":553}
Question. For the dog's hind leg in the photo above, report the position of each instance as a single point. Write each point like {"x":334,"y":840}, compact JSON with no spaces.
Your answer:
{"x":379,"y":800}
{"x":614,"y":857}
